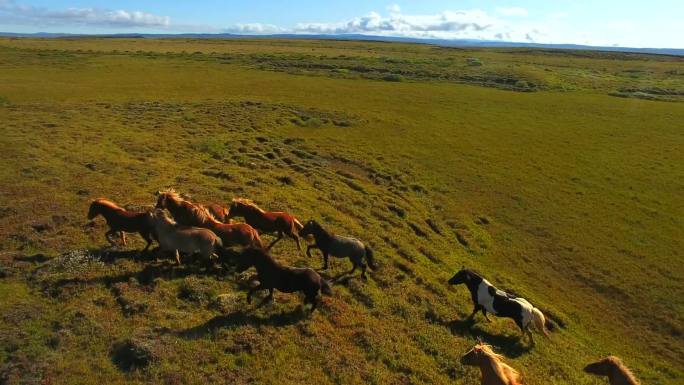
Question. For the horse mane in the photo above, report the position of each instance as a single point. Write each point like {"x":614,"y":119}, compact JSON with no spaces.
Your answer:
{"x":161,"y":213}
{"x":623,"y":369}
{"x":501,"y":369}
{"x":201,"y":213}
{"x":172,"y":193}
{"x":248,"y":203}
{"x":107,"y":203}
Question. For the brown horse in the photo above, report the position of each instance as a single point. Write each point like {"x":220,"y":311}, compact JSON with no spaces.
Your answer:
{"x":270,"y":222}
{"x":122,"y":221}
{"x":219,"y":212}
{"x":272,"y":275}
{"x":494,"y":371}
{"x":614,"y":369}
{"x":186,"y":213}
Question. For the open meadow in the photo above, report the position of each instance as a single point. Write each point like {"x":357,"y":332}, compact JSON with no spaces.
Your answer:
{"x":559,"y":175}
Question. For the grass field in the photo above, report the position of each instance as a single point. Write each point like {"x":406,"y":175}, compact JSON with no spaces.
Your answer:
{"x":557,"y":174}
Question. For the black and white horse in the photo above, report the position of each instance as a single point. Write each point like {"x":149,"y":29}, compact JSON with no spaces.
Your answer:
{"x":487,"y":298}
{"x":338,"y":246}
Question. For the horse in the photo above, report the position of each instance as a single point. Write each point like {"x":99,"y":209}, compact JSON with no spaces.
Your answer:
{"x":220,"y":213}
{"x":122,"y":221}
{"x":278,"y":222}
{"x":487,"y":298}
{"x":614,"y":369}
{"x":338,"y":246}
{"x":494,"y":371}
{"x":187,"y":213}
{"x":273,"y":275}
{"x":184,"y":239}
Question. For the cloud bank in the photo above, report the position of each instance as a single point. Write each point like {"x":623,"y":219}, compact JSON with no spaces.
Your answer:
{"x":13,"y":12}
{"x":459,"y":24}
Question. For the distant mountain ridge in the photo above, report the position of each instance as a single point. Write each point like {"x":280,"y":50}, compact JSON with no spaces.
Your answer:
{"x":470,"y":43}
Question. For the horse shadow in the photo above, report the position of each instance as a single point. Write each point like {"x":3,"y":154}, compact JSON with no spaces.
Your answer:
{"x":242,"y":318}
{"x":146,"y":276}
{"x":511,"y":346}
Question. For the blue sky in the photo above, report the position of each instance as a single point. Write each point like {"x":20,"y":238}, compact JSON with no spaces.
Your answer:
{"x":656,"y":23}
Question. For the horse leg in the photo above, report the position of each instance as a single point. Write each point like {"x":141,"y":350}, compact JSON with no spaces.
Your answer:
{"x":484,"y":311}
{"x":109,"y":235}
{"x":308,"y":250}
{"x":314,"y":302}
{"x":354,"y":266}
{"x":252,"y":290}
{"x":266,"y":299}
{"x":178,"y":258}
{"x":475,"y":310}
{"x":280,"y":236}
{"x":296,"y":238}
{"x":123,"y":238}
{"x":363,"y":271}
{"x":325,"y":260}
{"x":147,"y":238}
{"x":529,"y":334}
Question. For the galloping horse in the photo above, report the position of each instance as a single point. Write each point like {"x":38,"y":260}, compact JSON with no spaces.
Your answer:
{"x":184,"y":239}
{"x":338,"y":246}
{"x":487,"y":298}
{"x":187,"y":213}
{"x":122,"y":221}
{"x":614,"y":369}
{"x":219,"y":212}
{"x":272,"y":275}
{"x":277,"y":222}
{"x":494,"y":371}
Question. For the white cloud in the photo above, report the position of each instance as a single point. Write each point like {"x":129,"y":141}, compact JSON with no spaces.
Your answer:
{"x":255,"y":29}
{"x":27,"y":14}
{"x":448,"y":22}
{"x":513,"y":11}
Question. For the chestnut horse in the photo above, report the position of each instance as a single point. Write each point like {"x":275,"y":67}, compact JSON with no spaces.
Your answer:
{"x":219,"y":212}
{"x":122,"y":221}
{"x":268,"y":222}
{"x":273,"y":275}
{"x":494,"y":371}
{"x":613,"y":368}
{"x":186,"y":213}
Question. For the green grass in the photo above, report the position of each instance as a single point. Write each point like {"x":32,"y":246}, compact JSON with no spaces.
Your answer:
{"x":565,"y":195}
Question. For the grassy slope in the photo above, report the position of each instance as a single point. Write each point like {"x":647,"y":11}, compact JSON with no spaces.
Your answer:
{"x":582,"y":192}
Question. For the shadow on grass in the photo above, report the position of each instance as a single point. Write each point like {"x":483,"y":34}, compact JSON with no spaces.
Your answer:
{"x":165,"y":269}
{"x":241,"y":318}
{"x":510,"y":346}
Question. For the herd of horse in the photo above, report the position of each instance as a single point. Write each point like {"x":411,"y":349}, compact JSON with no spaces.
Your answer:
{"x":184,"y":228}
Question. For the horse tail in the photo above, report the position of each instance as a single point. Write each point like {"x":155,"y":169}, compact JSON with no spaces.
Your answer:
{"x":325,"y":287}
{"x":256,"y":240}
{"x":218,"y":243}
{"x":539,"y":321}
{"x":297,"y":226}
{"x":369,"y":258}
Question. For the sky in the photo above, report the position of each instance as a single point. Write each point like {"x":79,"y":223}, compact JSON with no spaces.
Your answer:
{"x":627,"y":23}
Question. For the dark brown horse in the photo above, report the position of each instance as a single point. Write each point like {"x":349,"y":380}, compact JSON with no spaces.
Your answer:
{"x":186,"y":213}
{"x":338,"y":246}
{"x":269,"y":222}
{"x":122,"y":221}
{"x":272,"y":275}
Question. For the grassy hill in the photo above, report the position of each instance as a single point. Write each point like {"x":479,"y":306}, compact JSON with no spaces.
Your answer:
{"x":557,"y":174}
